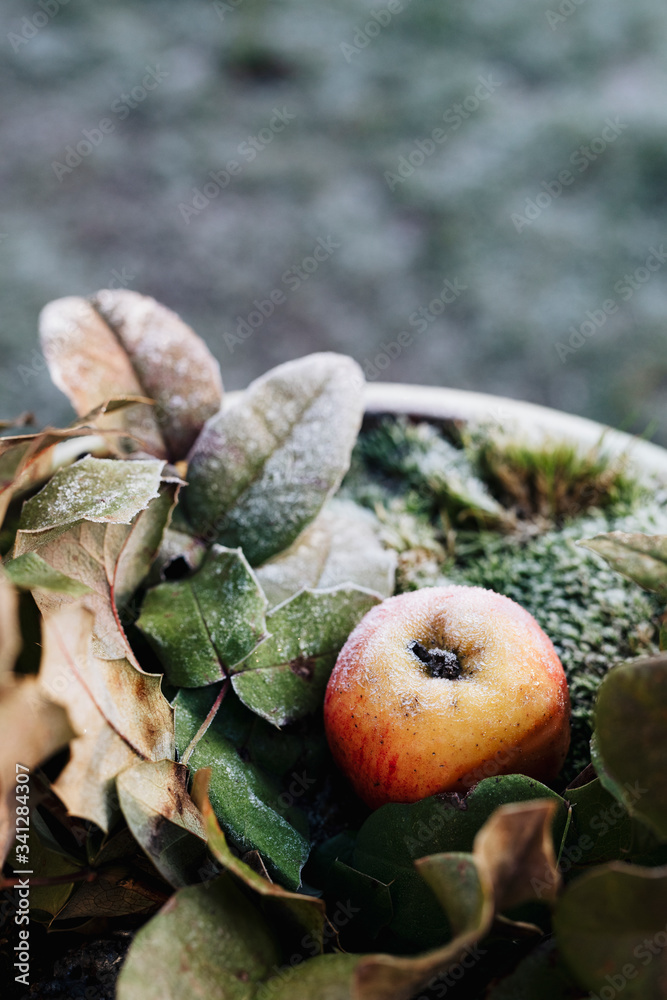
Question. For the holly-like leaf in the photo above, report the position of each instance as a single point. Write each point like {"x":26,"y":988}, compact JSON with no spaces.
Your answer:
{"x":163,"y":819}
{"x":610,"y":928}
{"x":286,"y":677}
{"x":642,"y":558}
{"x":262,"y":469}
{"x":118,"y":714}
{"x":204,"y":626}
{"x":340,"y":546}
{"x":99,"y":522}
{"x":125,"y":344}
{"x":247,"y":802}
{"x":630,"y":727}
{"x":207,"y":941}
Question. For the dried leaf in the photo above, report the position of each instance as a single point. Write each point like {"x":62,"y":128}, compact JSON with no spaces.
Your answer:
{"x":173,"y":364}
{"x":642,"y":558}
{"x":114,"y":892}
{"x":515,"y":846}
{"x":89,"y":364}
{"x":286,"y":677}
{"x":110,"y":558}
{"x":163,"y":818}
{"x":33,"y":729}
{"x":261,"y":470}
{"x":130,"y":701}
{"x":10,"y":632}
{"x":202,"y":627}
{"x":340,"y":546}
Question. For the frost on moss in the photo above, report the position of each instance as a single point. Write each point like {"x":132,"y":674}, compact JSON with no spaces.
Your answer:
{"x":594,"y":616}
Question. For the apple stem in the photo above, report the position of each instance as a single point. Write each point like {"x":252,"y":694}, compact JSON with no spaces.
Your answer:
{"x":438,"y":662}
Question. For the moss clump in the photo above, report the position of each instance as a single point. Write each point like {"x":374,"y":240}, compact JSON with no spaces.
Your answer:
{"x":525,"y":546}
{"x":594,"y":617}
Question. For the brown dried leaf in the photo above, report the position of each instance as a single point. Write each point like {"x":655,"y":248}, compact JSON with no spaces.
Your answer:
{"x":516,"y":849}
{"x":87,"y":363}
{"x":130,"y":701}
{"x":10,"y":634}
{"x":33,"y":729}
{"x":173,"y":364}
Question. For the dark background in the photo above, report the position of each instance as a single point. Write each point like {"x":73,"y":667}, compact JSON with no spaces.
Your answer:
{"x":114,"y":217}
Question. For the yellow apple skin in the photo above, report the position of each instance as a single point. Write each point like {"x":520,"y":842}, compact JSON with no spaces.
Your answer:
{"x":401,"y":734}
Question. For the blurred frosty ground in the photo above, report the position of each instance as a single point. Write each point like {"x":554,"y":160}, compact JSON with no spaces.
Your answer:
{"x":487,"y":179}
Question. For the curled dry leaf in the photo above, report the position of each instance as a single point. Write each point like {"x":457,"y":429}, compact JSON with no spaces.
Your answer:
{"x":10,"y":633}
{"x":124,"y":344}
{"x":516,"y":847}
{"x":33,"y":728}
{"x":261,"y":470}
{"x":340,"y":546}
{"x":163,"y":818}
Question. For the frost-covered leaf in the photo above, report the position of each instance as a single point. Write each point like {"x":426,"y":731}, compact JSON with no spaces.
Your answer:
{"x":247,"y":802}
{"x":305,"y":912}
{"x":109,"y":558}
{"x":610,"y":928}
{"x":203,"y":626}
{"x":286,"y":677}
{"x":33,"y":728}
{"x":163,"y":819}
{"x":87,"y":362}
{"x":631,"y":741}
{"x":209,"y":942}
{"x":261,"y":470}
{"x":173,"y":364}
{"x":642,"y":558}
{"x":340,"y":546}
{"x":93,"y":489}
{"x":32,"y":572}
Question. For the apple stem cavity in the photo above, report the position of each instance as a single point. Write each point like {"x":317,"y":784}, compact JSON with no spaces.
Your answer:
{"x":438,"y":662}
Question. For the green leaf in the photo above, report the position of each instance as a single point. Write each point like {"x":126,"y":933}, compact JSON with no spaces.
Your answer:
{"x":262,"y":469}
{"x":340,"y":546}
{"x":642,"y":558}
{"x":460,"y":886}
{"x":602,"y":827}
{"x":93,"y":489}
{"x":286,"y":677}
{"x":542,"y":974}
{"x":204,"y":626}
{"x":207,"y":942}
{"x":163,"y":818}
{"x":631,"y":740}
{"x":32,"y":572}
{"x":610,"y":928}
{"x":304,"y":913}
{"x":395,"y":835}
{"x":246,"y":800}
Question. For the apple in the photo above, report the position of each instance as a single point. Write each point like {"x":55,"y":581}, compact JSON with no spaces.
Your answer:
{"x":439,"y":688}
